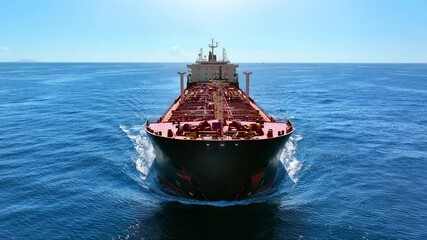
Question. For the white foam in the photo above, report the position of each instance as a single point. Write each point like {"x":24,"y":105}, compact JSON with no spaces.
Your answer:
{"x":143,"y":147}
{"x":289,"y":160}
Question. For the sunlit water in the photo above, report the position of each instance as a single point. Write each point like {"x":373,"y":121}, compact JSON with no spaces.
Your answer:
{"x":76,"y":163}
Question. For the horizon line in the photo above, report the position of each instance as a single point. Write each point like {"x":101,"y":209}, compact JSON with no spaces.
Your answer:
{"x":35,"y":62}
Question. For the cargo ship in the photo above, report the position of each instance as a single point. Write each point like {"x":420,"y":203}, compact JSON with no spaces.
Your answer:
{"x":215,"y":142}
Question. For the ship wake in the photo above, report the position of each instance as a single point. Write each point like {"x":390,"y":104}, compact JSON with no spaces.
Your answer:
{"x":142,"y":146}
{"x":289,"y":159}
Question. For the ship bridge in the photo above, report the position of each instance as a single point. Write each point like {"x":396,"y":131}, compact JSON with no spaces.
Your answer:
{"x":206,"y":67}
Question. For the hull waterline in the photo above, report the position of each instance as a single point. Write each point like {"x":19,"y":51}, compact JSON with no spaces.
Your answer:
{"x":217,"y":170}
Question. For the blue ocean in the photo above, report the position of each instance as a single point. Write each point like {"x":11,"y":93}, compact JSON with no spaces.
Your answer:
{"x":75,"y":162}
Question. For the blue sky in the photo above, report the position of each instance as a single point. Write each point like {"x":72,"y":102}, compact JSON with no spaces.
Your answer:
{"x":251,"y":30}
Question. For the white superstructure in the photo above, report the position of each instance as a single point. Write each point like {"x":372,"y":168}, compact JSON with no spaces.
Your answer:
{"x":208,"y":68}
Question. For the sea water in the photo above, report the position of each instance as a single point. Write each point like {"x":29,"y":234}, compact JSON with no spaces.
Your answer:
{"x":75,"y":162}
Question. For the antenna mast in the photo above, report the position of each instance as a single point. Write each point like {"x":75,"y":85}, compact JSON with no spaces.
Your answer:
{"x":224,"y":55}
{"x":213,"y":46}
{"x":200,"y":59}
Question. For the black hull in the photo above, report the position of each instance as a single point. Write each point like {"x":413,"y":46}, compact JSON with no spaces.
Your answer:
{"x":217,"y":170}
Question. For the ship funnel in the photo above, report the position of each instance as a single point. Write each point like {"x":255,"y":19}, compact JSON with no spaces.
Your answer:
{"x":247,"y":84}
{"x":181,"y":76}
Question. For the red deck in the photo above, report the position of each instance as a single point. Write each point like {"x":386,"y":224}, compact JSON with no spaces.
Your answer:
{"x":194,"y":116}
{"x":198,"y":104}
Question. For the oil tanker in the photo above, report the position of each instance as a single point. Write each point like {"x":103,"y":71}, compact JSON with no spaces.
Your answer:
{"x":215,"y":142}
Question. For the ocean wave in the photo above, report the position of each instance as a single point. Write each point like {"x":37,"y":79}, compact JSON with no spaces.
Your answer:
{"x":408,"y":74}
{"x":403,"y":89}
{"x":289,"y":159}
{"x":143,"y":147}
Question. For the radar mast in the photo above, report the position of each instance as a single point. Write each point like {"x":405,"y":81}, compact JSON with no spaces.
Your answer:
{"x":213,"y":46}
